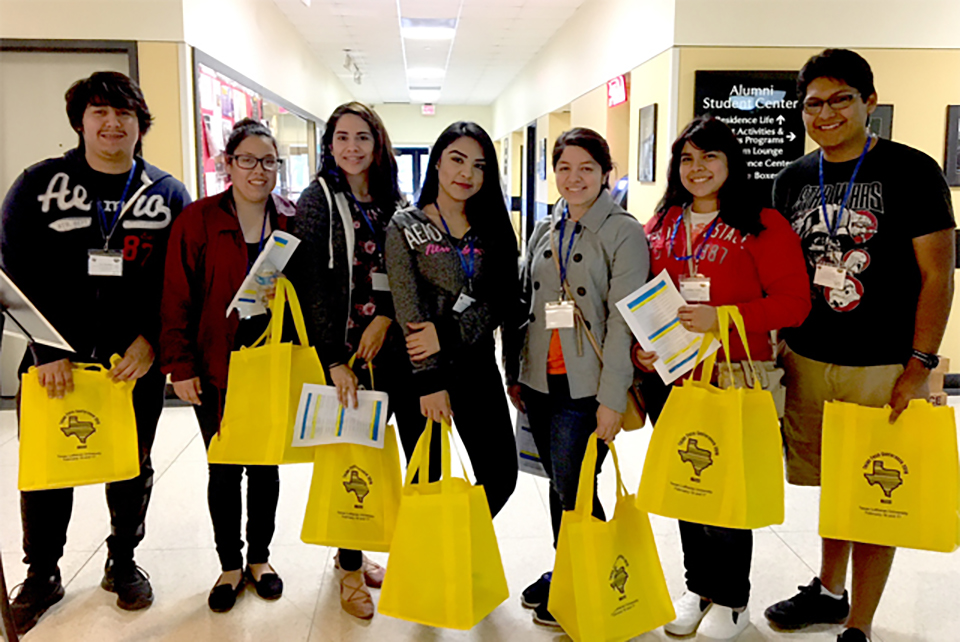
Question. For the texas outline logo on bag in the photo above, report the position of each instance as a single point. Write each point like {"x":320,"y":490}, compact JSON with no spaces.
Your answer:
{"x":80,"y":424}
{"x":698,"y":457}
{"x":354,"y":483}
{"x":619,"y":576}
{"x":885,"y":470}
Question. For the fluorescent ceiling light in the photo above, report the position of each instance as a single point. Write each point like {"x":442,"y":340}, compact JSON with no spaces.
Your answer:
{"x":424,"y":95}
{"x":426,"y":72}
{"x":428,"y":28}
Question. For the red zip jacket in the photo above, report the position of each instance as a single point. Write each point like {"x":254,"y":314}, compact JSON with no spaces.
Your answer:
{"x":206,"y":265}
{"x":765,"y":276}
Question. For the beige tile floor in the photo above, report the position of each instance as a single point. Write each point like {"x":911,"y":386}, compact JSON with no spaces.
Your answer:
{"x":921,"y":602}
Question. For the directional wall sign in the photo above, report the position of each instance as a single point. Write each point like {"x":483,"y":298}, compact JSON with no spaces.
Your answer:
{"x":762,"y":109}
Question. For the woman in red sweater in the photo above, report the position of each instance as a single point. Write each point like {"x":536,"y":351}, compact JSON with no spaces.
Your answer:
{"x":721,"y":247}
{"x":212,"y":247}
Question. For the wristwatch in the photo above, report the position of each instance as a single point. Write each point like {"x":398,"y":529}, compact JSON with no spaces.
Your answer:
{"x":929,"y":361}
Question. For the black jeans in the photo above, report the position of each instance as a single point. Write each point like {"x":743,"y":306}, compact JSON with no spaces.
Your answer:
{"x":562,"y":428}
{"x":224,"y":495}
{"x":45,"y":514}
{"x":717,"y":560}
{"x":482,"y":419}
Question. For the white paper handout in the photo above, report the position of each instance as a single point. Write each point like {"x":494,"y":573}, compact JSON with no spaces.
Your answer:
{"x":651,"y":313}
{"x":322,"y":420}
{"x":249,"y":301}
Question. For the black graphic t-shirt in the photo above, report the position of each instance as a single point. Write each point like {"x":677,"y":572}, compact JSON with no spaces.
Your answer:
{"x":899,"y":194}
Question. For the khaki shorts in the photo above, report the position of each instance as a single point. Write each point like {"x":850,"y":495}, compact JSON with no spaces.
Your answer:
{"x":809,"y":385}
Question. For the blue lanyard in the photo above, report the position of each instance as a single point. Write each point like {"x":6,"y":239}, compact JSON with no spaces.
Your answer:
{"x":846,"y":197}
{"x":366,"y":219}
{"x":108,"y":231}
{"x":468,"y":267}
{"x":564,"y":261}
{"x":698,"y":253}
{"x":263,"y":231}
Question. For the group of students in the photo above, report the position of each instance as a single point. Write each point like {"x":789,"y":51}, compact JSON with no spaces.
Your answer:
{"x":417,"y":292}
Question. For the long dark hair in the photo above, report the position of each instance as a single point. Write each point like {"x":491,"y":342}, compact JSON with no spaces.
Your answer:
{"x":739,"y":207}
{"x":486,"y":210}
{"x":383,"y":170}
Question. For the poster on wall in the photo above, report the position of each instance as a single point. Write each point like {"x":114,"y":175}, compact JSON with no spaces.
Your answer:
{"x":951,"y":156}
{"x":881,"y":121}
{"x":222,"y":103}
{"x":762,"y":109}
{"x":647,"y":155}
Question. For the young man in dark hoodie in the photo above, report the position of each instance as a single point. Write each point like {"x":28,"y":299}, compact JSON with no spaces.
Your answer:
{"x":84,"y":236}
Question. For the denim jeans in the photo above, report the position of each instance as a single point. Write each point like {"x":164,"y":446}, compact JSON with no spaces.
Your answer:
{"x":562,"y":427}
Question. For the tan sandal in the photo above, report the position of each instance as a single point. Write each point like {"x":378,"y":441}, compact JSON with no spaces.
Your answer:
{"x":355,"y":597}
{"x":373,"y":573}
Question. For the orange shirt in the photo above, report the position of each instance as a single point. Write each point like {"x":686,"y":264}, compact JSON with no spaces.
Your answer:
{"x":555,"y":363}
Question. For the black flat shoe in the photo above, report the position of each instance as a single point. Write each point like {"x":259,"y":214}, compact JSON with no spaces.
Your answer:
{"x":270,"y":586}
{"x":224,"y":596}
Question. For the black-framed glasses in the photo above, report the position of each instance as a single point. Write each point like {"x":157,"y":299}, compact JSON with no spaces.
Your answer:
{"x":269,"y":163}
{"x":837,"y":102}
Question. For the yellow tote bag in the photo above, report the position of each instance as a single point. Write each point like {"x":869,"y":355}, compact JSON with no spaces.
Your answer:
{"x":608,"y":584}
{"x":715,"y":456}
{"x":263,"y":392}
{"x":445,"y":567}
{"x":890,"y":485}
{"x":88,"y":437}
{"x":354,"y":494}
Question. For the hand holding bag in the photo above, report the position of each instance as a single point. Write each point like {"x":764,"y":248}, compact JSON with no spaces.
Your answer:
{"x":354,"y":494}
{"x":88,"y":437}
{"x":445,"y":566}
{"x":263,"y":392}
{"x":715,"y":457}
{"x":608,"y":585}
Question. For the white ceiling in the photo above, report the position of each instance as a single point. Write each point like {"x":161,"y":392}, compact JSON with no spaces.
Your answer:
{"x":495,"y":39}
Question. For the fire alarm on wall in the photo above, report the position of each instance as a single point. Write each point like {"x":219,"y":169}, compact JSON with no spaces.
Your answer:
{"x":428,"y":110}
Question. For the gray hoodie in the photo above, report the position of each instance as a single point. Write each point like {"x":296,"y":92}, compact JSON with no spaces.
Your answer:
{"x":427,"y":278}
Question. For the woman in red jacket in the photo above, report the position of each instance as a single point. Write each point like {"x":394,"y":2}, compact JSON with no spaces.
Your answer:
{"x":213,"y":244}
{"x":720,"y":247}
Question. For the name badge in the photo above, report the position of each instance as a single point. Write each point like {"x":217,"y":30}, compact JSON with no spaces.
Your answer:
{"x":695,"y":289}
{"x":559,"y":315}
{"x":380,"y":282}
{"x":105,"y":263}
{"x":464,"y":301}
{"x":830,"y":276}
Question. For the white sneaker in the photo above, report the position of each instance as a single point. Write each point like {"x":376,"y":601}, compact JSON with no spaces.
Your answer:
{"x":690,"y":610}
{"x":723,"y":624}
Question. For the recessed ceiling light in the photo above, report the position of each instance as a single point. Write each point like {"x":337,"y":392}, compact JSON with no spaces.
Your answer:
{"x":424,"y":95}
{"x":428,"y":28}
{"x":426,"y":72}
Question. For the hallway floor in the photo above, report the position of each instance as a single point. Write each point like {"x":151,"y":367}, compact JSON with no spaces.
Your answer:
{"x":920,"y":603}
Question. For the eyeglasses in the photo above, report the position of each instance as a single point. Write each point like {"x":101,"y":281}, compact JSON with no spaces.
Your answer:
{"x":837,"y":102}
{"x":269,"y":163}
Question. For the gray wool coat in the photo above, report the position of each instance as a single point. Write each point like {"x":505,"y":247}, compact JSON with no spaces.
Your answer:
{"x":610,"y":259}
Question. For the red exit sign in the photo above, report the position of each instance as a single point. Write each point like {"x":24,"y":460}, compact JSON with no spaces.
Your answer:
{"x":616,"y":91}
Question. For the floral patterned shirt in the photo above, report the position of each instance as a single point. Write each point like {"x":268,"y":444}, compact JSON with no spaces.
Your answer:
{"x":367,"y":259}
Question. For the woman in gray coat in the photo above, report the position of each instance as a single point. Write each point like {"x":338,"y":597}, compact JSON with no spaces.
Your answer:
{"x":567,"y":391}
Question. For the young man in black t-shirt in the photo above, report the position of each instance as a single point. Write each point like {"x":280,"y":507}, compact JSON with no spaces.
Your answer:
{"x":877,"y":228}
{"x":84,"y":237}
